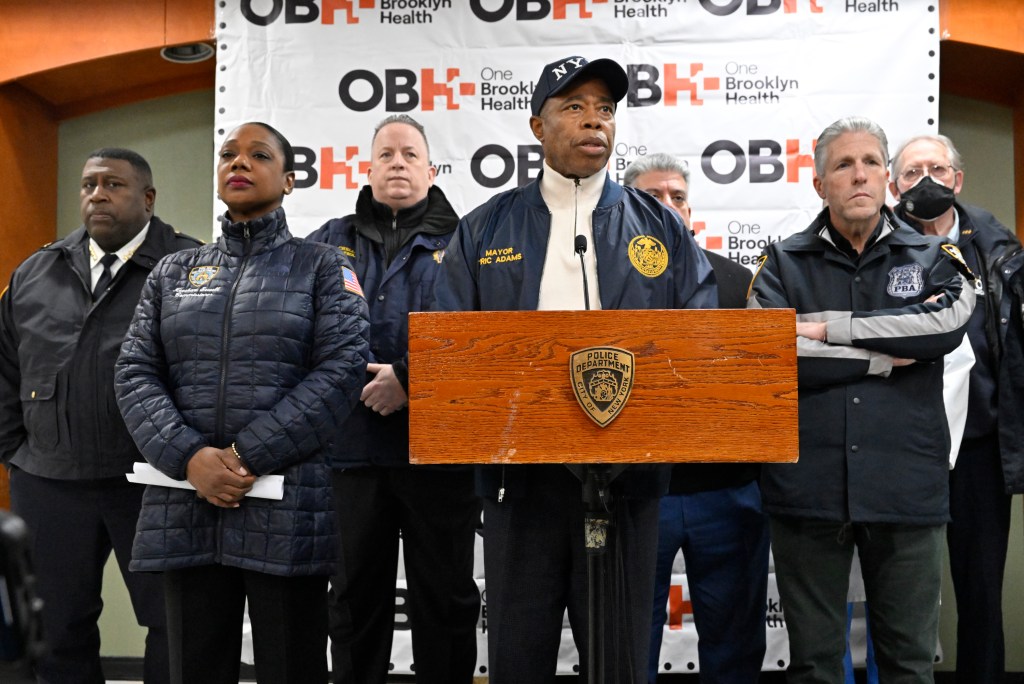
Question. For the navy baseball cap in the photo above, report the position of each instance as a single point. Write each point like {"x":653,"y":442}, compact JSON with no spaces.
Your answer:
{"x":558,"y":75}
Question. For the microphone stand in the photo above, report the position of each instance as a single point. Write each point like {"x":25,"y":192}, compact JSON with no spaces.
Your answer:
{"x":597,"y":519}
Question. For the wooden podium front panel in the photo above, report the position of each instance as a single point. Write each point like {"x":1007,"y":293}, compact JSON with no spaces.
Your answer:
{"x":709,"y":385}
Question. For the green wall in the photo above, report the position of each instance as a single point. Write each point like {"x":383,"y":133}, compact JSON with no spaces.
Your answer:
{"x":176,"y":135}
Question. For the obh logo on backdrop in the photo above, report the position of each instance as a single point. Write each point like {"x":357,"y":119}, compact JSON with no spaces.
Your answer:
{"x":740,"y":82}
{"x":266,"y":12}
{"x":312,"y":169}
{"x":536,"y":10}
{"x":724,"y":8}
{"x":403,"y":90}
{"x":762,"y":160}
{"x":326,"y":166}
{"x":491,"y":166}
{"x":533,"y":10}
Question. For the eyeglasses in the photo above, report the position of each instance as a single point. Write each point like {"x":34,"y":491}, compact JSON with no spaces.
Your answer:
{"x":937,"y":172}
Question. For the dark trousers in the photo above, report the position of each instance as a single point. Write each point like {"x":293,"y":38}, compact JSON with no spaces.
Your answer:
{"x":73,"y":526}
{"x":724,"y":538}
{"x":901,"y":565}
{"x":978,"y":535}
{"x":288,"y":615}
{"x":536,"y":569}
{"x":436,"y":513}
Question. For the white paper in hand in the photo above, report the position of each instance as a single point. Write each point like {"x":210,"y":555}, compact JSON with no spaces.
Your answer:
{"x":266,"y":487}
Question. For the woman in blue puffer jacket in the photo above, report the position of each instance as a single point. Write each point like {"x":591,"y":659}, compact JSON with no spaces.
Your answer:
{"x":241,"y":360}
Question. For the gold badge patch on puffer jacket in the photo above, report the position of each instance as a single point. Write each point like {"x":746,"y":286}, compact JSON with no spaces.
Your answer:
{"x":648,"y":255}
{"x":202,"y":275}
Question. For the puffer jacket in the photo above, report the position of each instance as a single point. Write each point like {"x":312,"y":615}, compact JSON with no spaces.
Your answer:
{"x":259,"y":340}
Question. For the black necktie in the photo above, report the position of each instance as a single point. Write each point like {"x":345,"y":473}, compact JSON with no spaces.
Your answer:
{"x":104,"y":280}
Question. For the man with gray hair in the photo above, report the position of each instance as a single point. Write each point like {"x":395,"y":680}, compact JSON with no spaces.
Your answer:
{"x":713,"y":510}
{"x":877,"y":304}
{"x":928,"y":175}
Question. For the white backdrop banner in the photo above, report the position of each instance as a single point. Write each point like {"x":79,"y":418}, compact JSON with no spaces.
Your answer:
{"x":738,"y":89}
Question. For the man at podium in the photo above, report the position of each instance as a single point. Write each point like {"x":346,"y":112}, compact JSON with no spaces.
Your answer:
{"x":572,"y":239}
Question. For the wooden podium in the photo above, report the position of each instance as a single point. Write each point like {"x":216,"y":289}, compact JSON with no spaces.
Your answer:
{"x":707,"y":385}
{"x":596,"y":390}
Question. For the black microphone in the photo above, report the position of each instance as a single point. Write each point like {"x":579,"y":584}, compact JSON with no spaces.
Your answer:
{"x":580,"y":247}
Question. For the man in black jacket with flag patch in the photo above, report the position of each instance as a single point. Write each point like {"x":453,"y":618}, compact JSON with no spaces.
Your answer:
{"x":396,"y":240}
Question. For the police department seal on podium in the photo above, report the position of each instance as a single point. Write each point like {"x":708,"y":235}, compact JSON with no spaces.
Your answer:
{"x":602,"y":378}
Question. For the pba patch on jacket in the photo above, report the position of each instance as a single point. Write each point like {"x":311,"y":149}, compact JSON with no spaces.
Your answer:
{"x":351,"y":282}
{"x":905,"y":281}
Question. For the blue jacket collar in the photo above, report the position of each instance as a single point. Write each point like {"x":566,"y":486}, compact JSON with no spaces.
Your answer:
{"x":254,"y":236}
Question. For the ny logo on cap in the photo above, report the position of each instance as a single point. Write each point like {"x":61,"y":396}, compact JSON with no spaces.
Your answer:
{"x":561,"y":70}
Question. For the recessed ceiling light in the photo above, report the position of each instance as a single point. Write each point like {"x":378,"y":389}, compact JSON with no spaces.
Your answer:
{"x":186,"y":54}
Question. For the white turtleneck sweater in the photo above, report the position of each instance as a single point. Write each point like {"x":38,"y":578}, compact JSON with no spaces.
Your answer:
{"x":572,"y":207}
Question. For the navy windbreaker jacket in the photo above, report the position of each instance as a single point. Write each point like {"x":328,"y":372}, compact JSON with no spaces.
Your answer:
{"x":392,"y":291}
{"x":495,"y":262}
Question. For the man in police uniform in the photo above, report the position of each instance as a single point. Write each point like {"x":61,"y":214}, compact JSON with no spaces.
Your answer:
{"x":639,"y":256}
{"x":927,"y":178}
{"x":396,"y":239}
{"x":713,"y":510}
{"x":62,"y":322}
{"x":877,"y":307}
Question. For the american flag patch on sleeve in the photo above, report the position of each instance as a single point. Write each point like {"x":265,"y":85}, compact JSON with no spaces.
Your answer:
{"x":351,"y":281}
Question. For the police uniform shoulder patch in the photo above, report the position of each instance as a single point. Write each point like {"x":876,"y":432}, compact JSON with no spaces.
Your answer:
{"x":351,"y":281}
{"x":186,"y":235}
{"x":202,"y":275}
{"x":648,"y":255}
{"x":954,"y":253}
{"x":761,"y":261}
{"x":347,"y":251}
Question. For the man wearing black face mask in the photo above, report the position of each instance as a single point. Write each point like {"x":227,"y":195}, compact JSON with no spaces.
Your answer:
{"x":927,"y":177}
